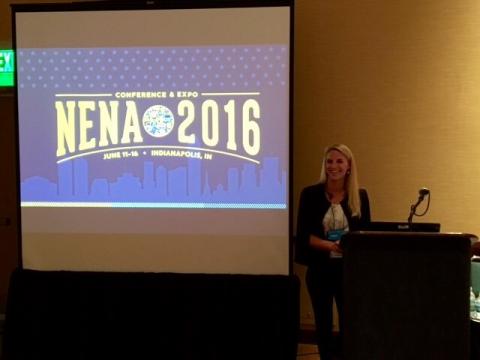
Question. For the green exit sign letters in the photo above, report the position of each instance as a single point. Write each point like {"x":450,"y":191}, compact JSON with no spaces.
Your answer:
{"x":6,"y":68}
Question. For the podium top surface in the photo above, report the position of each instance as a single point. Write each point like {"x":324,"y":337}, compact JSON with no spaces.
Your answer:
{"x":410,"y":234}
{"x":401,"y":226}
{"x":404,"y":239}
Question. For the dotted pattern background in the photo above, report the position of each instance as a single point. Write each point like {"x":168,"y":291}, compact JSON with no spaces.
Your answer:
{"x":246,"y":68}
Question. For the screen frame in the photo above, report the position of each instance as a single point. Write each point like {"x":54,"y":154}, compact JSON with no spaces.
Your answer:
{"x":158,"y":5}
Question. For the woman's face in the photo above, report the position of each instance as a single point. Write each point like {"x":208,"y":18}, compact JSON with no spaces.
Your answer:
{"x":336,"y":165}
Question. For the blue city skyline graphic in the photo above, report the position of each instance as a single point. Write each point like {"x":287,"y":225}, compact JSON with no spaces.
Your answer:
{"x":249,"y":186}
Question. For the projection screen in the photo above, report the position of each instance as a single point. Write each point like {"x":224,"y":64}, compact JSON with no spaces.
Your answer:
{"x":155,"y":139}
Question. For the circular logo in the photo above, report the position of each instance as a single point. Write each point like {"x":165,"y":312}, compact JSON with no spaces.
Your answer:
{"x":158,"y":121}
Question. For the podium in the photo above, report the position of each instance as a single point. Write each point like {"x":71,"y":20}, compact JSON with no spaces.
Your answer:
{"x":406,"y":295}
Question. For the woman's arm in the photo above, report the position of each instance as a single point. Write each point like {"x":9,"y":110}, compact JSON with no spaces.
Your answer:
{"x":324,"y":245}
{"x":365,"y":206}
{"x":308,"y":238}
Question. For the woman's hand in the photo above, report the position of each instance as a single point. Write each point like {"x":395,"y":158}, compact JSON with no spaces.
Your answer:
{"x":336,"y":247}
{"x":324,"y":245}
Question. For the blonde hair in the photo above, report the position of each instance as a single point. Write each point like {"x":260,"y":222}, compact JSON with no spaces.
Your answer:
{"x":351,"y":180}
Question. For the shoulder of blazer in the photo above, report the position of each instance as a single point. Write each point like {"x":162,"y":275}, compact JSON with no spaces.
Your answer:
{"x":315,"y":190}
{"x":363,"y":192}
{"x":365,"y":205}
{"x":313,"y":200}
{"x":314,"y":194}
{"x":318,"y":188}
{"x":364,"y":200}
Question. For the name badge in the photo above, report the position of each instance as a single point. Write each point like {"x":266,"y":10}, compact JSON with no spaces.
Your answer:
{"x":335,"y":235}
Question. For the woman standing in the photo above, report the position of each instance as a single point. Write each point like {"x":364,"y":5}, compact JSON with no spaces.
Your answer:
{"x":327,"y":210}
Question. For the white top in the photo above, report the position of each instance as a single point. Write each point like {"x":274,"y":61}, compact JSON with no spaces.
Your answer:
{"x":335,"y":219}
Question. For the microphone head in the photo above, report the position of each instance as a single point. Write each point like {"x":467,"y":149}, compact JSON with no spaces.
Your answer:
{"x":423,"y":191}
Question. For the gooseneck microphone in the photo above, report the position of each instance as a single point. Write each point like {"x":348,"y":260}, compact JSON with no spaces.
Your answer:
{"x":422,"y":192}
{"x":421,"y":196}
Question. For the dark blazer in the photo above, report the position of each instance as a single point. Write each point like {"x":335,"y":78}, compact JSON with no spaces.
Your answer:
{"x":312,"y":208}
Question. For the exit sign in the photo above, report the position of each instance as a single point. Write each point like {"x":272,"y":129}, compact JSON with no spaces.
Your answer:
{"x":6,"y":68}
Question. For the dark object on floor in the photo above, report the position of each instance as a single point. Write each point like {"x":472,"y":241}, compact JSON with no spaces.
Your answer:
{"x":77,"y":315}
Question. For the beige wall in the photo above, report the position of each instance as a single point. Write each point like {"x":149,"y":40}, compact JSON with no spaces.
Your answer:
{"x":399,"y":83}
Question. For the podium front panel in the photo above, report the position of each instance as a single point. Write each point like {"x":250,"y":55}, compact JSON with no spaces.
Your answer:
{"x":406,"y":295}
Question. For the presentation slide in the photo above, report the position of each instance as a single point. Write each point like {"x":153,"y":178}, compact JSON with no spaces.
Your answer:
{"x":147,"y":142}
